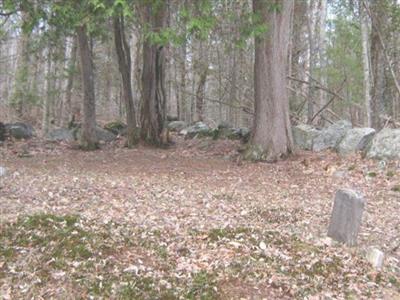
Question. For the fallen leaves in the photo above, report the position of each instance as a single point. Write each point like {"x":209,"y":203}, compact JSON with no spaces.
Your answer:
{"x":171,"y":214}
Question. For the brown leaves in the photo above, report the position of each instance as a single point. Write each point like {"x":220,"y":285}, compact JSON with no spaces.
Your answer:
{"x":190,"y":209}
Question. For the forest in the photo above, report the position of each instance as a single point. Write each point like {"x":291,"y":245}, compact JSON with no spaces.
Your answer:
{"x":200,"y":149}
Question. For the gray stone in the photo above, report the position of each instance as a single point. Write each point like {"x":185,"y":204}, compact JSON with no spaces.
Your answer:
{"x":346,"y":216}
{"x":3,"y":171}
{"x":385,"y":145}
{"x":241,"y":133}
{"x":60,"y":134}
{"x":198,"y":129}
{"x":116,"y":127}
{"x":304,"y":135}
{"x":177,"y":125}
{"x":331,"y":136}
{"x":2,"y":132}
{"x":19,"y":130}
{"x":105,"y":135}
{"x":356,"y":139}
{"x":375,"y":257}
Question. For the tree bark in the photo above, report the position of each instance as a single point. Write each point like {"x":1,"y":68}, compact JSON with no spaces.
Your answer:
{"x":70,"y":83}
{"x":124,"y":64}
{"x":20,"y":95}
{"x":366,"y":63}
{"x":88,"y":138}
{"x":272,"y":129}
{"x":48,"y":98}
{"x":153,"y":111}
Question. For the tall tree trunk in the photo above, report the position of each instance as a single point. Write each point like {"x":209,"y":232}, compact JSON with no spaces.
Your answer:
{"x":200,"y":93}
{"x":20,"y":96}
{"x":124,"y":64}
{"x":322,"y":11}
{"x":366,"y":61}
{"x":88,"y":139}
{"x":272,"y":132}
{"x":48,"y":99}
{"x":311,"y":44}
{"x":153,"y":112}
{"x":70,"y":83}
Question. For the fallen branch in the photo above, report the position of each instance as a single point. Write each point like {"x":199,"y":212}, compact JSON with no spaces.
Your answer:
{"x":328,"y":103}
{"x":243,"y":108}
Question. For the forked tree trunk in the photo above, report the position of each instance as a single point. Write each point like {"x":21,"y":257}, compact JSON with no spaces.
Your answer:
{"x":272,"y":129}
{"x":153,"y":111}
{"x":88,"y":138}
{"x":124,"y":64}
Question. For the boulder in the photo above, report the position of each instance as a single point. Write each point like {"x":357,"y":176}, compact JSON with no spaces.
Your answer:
{"x":116,"y":127}
{"x":60,"y":134}
{"x":346,"y":216}
{"x":356,"y":139}
{"x":385,"y":145}
{"x":20,"y":130}
{"x":242,"y":133}
{"x":2,"y":132}
{"x":198,"y":129}
{"x":104,"y":135}
{"x":331,"y":136}
{"x":177,"y":125}
{"x":304,"y":135}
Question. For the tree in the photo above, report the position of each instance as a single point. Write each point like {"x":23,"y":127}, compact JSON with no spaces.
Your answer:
{"x":153,"y":114}
{"x":366,"y":61}
{"x":272,"y":134}
{"x":88,"y":139}
{"x":124,"y":64}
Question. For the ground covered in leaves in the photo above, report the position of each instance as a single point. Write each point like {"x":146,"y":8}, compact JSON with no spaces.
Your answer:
{"x":189,"y":222}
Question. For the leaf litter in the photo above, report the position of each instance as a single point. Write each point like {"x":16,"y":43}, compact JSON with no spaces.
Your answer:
{"x":190,"y":222}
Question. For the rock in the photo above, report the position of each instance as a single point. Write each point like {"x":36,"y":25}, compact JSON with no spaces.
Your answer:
{"x":346,"y":216}
{"x":254,"y":153}
{"x":385,"y":145}
{"x":331,"y":136}
{"x":105,"y":135}
{"x":3,"y":171}
{"x":375,"y":257}
{"x":172,"y":118}
{"x":60,"y":134}
{"x":116,"y":127}
{"x":20,"y":130}
{"x":102,"y":135}
{"x":224,"y":131}
{"x":198,"y":129}
{"x":2,"y":132}
{"x":177,"y":125}
{"x":244,"y":134}
{"x":224,"y":125}
{"x":356,"y":139}
{"x":304,"y":135}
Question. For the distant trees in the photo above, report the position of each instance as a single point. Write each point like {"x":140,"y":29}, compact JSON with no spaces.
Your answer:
{"x":211,"y":61}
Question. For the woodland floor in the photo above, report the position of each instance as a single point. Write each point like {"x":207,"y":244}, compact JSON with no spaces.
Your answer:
{"x":189,"y":222}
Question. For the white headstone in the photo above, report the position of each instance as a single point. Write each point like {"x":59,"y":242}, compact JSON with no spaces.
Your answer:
{"x":3,"y":171}
{"x":375,"y":258}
